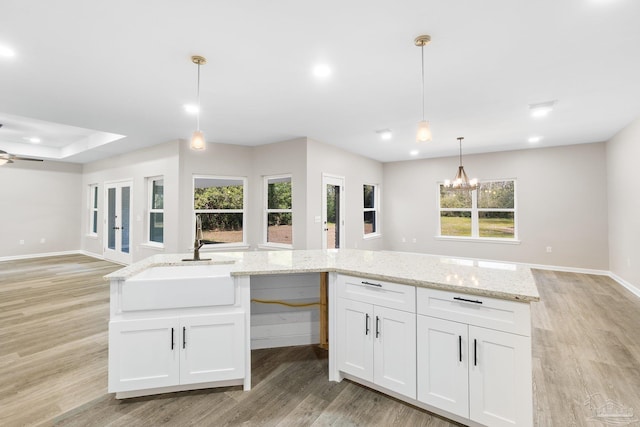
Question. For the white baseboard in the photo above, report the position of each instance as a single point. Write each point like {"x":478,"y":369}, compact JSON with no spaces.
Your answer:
{"x":630,"y":287}
{"x":566,"y":269}
{"x":41,"y":255}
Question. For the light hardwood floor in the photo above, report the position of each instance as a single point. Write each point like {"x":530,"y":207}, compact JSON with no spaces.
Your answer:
{"x":53,"y":361}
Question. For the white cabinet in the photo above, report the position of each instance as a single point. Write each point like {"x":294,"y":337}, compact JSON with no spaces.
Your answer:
{"x":377,"y":343}
{"x":469,"y":369}
{"x":162,"y":352}
{"x":443,"y":357}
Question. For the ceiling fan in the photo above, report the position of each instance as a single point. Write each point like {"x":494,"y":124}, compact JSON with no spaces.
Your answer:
{"x":9,"y":158}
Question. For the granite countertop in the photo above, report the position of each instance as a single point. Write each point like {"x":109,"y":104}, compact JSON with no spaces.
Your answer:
{"x":485,"y":278}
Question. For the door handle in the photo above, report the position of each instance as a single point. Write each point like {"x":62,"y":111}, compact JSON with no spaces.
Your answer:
{"x":172,"y":341}
{"x":475,"y":352}
{"x":326,"y":229}
{"x":377,"y":326}
{"x":460,"y":348}
{"x":184,"y":337}
{"x":116,"y":228}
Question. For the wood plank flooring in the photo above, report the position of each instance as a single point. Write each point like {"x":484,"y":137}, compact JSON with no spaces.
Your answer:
{"x":53,"y":361}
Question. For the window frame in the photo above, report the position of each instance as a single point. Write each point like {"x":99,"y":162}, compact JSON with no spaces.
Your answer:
{"x":267,"y":211}
{"x":474,"y":211}
{"x":243,"y":211}
{"x":375,"y":209}
{"x":92,"y":204}
{"x":151,"y":210}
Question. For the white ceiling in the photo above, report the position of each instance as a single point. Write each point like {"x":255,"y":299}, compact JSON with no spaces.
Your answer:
{"x":123,"y":67}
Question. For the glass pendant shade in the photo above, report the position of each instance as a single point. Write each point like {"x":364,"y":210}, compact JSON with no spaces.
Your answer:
{"x":424,"y":132}
{"x":197,"y":141}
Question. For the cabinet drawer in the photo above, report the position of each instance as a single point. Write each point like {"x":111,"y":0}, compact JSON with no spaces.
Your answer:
{"x":385,"y":294}
{"x":502,"y":315}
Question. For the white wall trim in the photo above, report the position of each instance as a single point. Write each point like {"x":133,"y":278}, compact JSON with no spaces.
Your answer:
{"x":566,"y":269}
{"x":40,"y":255}
{"x":630,"y":287}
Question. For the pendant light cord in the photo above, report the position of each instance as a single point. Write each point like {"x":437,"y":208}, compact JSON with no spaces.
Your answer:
{"x":422,"y":56}
{"x":198,"y":94}
{"x":460,"y":141}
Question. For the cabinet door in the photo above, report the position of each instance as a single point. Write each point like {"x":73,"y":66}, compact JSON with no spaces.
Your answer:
{"x":143,"y":354}
{"x":499,"y":378}
{"x":355,"y":338}
{"x":211,"y":347}
{"x":394,"y":356}
{"x":443,"y":364}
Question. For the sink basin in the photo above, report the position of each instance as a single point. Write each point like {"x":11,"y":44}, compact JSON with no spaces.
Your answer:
{"x":165,"y":287}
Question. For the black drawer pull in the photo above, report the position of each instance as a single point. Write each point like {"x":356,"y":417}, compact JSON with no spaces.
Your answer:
{"x":372,"y":284}
{"x":366,"y":324}
{"x":460,"y":347}
{"x":475,"y":301}
{"x":475,"y":352}
{"x":172,"y":341}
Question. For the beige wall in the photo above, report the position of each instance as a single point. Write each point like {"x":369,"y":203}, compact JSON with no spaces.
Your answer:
{"x":159,"y":160}
{"x":623,"y":158}
{"x":289,"y":157}
{"x":39,"y":201}
{"x":357,"y":171}
{"x":561,"y":202}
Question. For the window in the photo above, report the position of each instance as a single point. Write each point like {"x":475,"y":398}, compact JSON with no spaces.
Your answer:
{"x":220,"y":202}
{"x":155,"y":199}
{"x":93,"y":209}
{"x":278,"y":210}
{"x":371,"y":196}
{"x":486,"y":213}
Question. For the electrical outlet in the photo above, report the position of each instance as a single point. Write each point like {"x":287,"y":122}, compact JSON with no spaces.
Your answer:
{"x":404,"y":240}
{"x":415,"y":240}
{"x":21,"y":242}
{"x":549,"y":249}
{"x":43,"y":240}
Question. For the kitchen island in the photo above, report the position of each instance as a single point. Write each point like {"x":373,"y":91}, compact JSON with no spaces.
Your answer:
{"x":445,"y":334}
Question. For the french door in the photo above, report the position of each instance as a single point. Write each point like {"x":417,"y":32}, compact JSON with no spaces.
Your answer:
{"x":333,"y":236}
{"x":117,"y":235}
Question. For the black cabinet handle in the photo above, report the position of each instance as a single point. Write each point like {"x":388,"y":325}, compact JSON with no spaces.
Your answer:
{"x":460,"y":348}
{"x":475,"y":352}
{"x":366,"y":324}
{"x":377,"y":326}
{"x":475,"y":301}
{"x":184,"y":337}
{"x":378,"y":285}
{"x":172,"y":341}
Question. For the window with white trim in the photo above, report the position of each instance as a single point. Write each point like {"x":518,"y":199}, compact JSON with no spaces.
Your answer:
{"x":371,"y":203}
{"x":220,"y":202}
{"x":93,"y":209}
{"x":155,"y":208}
{"x":278,"y":211}
{"x":486,"y":213}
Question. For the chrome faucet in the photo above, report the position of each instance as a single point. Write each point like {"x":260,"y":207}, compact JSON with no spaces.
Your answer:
{"x":197,"y":243}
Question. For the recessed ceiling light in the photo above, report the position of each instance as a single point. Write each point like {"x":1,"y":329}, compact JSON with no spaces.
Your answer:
{"x":322,"y":71}
{"x":541,"y":109}
{"x":414,"y":152}
{"x":534,"y":139}
{"x":6,"y":52}
{"x":35,"y":140}
{"x":385,"y":134}
{"x":191,"y":108}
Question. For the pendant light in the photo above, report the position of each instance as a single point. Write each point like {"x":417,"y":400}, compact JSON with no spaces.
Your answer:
{"x":461,"y":181}
{"x":197,"y":140}
{"x":424,"y":132}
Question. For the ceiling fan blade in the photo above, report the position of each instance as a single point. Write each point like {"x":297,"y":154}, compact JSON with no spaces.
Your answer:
{"x":27,"y":158}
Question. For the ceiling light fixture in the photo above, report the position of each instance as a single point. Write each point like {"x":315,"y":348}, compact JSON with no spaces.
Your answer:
{"x":534,"y":139}
{"x":6,"y":52}
{"x":461,"y":182}
{"x":191,"y":109}
{"x":322,"y":71}
{"x":414,"y":152}
{"x":424,"y":132}
{"x":542,"y":109}
{"x":384,"y":134}
{"x":197,"y":140}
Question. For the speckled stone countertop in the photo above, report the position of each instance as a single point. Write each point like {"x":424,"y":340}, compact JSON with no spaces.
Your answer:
{"x":486,"y":278}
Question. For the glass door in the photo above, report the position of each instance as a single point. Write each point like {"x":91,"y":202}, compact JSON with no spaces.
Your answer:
{"x":118,"y":222}
{"x":332,"y":212}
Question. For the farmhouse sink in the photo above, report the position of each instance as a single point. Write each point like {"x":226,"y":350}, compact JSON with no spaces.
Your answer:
{"x":179,"y":286}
